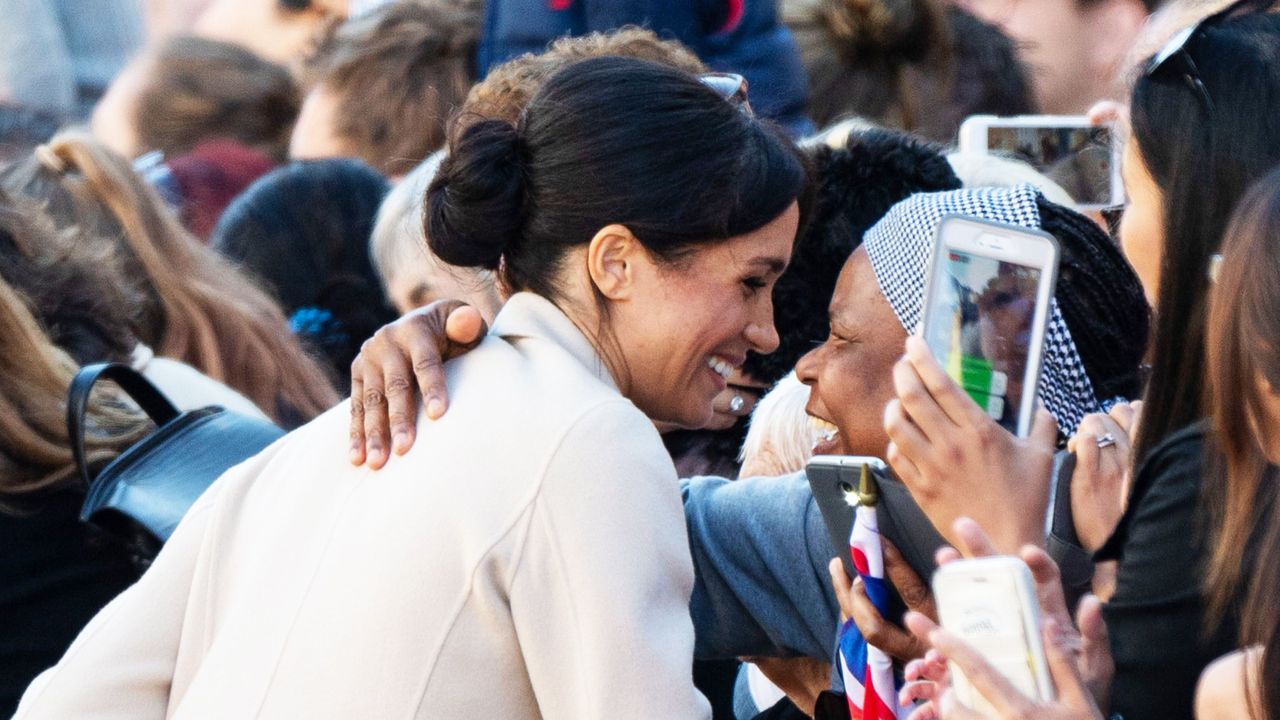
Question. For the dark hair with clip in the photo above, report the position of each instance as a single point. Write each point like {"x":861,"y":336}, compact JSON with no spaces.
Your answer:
{"x":665,"y":155}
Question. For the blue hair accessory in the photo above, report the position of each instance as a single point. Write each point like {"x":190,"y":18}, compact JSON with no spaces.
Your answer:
{"x":318,"y":324}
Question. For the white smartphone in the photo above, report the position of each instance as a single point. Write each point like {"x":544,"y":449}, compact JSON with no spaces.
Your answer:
{"x":991,"y":604}
{"x":1081,"y":157}
{"x":986,"y":309}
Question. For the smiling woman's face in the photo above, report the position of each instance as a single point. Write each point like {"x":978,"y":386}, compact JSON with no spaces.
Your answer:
{"x":850,"y":376}
{"x":687,"y":326}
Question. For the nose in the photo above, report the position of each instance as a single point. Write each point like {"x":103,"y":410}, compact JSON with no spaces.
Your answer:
{"x":807,"y":368}
{"x":762,"y":335}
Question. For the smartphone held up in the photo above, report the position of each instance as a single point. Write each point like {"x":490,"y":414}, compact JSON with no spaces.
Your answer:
{"x":1080,"y":157}
{"x":987,"y":300}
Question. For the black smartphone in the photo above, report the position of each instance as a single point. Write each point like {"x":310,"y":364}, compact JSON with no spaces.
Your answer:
{"x":834,"y":481}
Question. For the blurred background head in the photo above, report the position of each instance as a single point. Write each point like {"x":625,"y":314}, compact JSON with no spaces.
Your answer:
{"x":191,"y":89}
{"x":913,"y":65}
{"x":385,"y":85}
{"x":1074,"y":50}
{"x":411,"y":275}
{"x":303,"y":231}
{"x":196,"y":306}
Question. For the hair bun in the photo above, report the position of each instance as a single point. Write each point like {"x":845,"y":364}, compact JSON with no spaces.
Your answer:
{"x":475,"y":204}
{"x":892,"y":30}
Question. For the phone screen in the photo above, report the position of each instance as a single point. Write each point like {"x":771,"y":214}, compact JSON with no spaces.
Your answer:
{"x":1078,"y":159}
{"x":981,"y":322}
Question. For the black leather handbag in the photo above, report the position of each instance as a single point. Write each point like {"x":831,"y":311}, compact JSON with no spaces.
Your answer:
{"x":142,"y":494}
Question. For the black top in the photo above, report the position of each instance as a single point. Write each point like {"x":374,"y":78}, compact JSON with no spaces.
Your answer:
{"x":55,"y":574}
{"x":1156,"y":617}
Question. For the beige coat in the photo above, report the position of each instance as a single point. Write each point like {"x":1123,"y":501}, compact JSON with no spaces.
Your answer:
{"x":526,"y":559}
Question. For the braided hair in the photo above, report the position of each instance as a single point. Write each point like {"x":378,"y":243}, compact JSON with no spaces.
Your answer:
{"x":1102,"y":302}
{"x":857,"y":185}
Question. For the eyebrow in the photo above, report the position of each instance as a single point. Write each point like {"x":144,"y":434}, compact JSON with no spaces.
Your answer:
{"x":773,"y":265}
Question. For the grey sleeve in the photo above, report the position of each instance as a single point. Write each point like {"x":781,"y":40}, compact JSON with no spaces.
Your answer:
{"x":760,"y":554}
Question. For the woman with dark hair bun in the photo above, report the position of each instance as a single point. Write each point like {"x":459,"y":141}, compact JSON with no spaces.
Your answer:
{"x":527,"y":557}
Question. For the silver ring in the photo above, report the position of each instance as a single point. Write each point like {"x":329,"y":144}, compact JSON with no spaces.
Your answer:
{"x":1106,"y":441}
{"x":736,"y":403}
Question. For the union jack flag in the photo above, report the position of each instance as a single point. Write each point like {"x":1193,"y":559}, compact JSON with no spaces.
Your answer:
{"x":867,"y":671}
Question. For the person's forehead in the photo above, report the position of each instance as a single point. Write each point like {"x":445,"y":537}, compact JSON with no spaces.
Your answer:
{"x":857,"y":290}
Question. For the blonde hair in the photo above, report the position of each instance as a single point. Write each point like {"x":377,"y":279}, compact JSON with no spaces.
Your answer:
{"x":836,"y":136}
{"x":200,"y":309}
{"x":35,"y":451}
{"x":780,"y":438}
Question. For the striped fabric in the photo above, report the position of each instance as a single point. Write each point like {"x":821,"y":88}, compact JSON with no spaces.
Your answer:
{"x":867,"y":671}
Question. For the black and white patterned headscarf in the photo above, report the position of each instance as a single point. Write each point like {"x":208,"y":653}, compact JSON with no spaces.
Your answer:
{"x":900,"y":247}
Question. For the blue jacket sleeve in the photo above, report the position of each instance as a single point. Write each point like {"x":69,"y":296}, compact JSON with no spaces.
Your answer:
{"x":760,"y":554}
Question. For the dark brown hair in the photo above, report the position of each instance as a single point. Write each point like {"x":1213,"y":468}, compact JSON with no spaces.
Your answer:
{"x":908,"y":64}
{"x":35,"y":374}
{"x":398,"y":75}
{"x":74,"y":285}
{"x":1243,"y":352}
{"x":199,"y":89}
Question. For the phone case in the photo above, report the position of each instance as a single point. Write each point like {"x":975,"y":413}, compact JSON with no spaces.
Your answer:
{"x":992,"y":605}
{"x":902,"y":522}
{"x":983,"y":384}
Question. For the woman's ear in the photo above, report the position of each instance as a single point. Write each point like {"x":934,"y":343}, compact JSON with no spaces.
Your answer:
{"x":613,"y":259}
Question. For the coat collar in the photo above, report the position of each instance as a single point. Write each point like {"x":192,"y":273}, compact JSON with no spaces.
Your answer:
{"x":526,"y":315}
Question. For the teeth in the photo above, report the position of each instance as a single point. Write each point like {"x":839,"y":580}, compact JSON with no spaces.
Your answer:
{"x":826,"y":430}
{"x":720,"y":366}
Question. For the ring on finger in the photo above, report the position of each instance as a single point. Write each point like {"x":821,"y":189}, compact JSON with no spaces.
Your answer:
{"x":735,"y":405}
{"x":1106,"y":441}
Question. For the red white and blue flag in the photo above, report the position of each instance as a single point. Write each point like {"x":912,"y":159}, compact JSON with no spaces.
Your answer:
{"x":867,"y":671}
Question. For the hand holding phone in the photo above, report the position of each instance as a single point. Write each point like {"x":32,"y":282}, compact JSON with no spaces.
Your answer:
{"x":1080,"y":156}
{"x":991,"y":604}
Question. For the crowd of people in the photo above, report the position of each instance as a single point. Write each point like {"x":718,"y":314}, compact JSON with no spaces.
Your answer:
{"x":558,"y":298}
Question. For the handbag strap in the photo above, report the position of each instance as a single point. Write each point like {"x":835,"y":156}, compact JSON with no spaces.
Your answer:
{"x":138,"y":388}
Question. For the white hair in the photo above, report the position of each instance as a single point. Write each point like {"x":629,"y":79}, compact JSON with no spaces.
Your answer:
{"x":982,"y":170}
{"x":398,"y":244}
{"x":781,"y":436}
{"x":836,"y":136}
{"x":398,"y":240}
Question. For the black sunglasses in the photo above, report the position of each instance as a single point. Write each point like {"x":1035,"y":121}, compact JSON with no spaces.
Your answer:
{"x":730,"y":86}
{"x":1175,"y":52}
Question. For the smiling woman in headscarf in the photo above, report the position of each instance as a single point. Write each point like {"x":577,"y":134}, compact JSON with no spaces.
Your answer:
{"x":755,"y":595}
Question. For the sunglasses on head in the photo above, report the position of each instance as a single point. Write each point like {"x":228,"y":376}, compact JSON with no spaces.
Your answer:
{"x":730,"y":86}
{"x":1175,"y":56}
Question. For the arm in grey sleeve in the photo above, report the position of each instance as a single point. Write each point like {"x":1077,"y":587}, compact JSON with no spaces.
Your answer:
{"x":760,"y":554}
